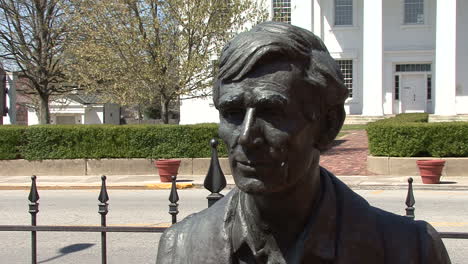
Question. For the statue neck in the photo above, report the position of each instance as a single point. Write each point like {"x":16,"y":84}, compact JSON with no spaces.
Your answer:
{"x":286,"y":213}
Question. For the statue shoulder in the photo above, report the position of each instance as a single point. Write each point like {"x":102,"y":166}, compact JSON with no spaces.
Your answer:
{"x":412,"y":239}
{"x":187,"y":240}
{"x":432,"y":247}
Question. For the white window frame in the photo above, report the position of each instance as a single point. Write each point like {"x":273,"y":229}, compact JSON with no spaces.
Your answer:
{"x":353,"y":15}
{"x":353,"y":75}
{"x":273,"y":11}
{"x":354,"y":26}
{"x":425,"y":15}
{"x":351,"y":55}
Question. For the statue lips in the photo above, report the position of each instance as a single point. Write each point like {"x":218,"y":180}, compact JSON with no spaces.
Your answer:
{"x":251,"y":164}
{"x":250,"y":168}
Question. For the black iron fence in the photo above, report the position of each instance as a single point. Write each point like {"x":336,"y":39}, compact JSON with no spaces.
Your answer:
{"x":215,"y":182}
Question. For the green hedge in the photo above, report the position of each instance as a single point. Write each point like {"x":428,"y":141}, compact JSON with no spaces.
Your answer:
{"x":11,"y":141}
{"x":109,"y":141}
{"x":405,"y":118}
{"x":409,"y":136}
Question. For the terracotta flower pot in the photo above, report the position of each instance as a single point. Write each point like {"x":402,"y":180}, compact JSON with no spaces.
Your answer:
{"x":430,"y":170}
{"x":167,"y":168}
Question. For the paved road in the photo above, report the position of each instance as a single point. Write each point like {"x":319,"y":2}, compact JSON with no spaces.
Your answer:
{"x":447,"y":210}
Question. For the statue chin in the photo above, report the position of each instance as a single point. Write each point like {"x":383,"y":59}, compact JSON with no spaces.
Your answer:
{"x":257,"y":186}
{"x":251,"y":185}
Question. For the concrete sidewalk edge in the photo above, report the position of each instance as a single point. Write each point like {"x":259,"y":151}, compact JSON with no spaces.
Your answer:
{"x":144,"y":183}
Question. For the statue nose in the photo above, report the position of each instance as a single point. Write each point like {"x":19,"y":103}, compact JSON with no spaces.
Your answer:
{"x":248,"y":134}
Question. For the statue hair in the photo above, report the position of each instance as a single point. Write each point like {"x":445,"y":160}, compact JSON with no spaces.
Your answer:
{"x":275,"y":41}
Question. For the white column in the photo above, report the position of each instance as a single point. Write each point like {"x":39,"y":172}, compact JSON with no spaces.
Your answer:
{"x":317,"y":18}
{"x":445,"y":61}
{"x":11,"y":79}
{"x":372,"y":102}
{"x":301,"y":14}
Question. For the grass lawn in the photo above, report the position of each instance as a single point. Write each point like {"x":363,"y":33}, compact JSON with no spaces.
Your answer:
{"x":349,"y":127}
{"x":353,"y":127}
{"x":340,"y":135}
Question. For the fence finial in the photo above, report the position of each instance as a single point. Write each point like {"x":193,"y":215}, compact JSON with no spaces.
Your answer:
{"x":410,"y":199}
{"x":33,"y":194}
{"x":215,"y":181}
{"x":33,"y":210}
{"x":103,"y":196}
{"x":173,"y":198}
{"x":103,"y":210}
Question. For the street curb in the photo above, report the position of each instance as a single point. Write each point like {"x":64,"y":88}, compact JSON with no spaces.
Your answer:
{"x":199,"y":185}
{"x":155,"y":186}
{"x":405,"y":187}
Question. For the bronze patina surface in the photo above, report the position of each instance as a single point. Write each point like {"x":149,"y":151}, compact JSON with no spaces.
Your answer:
{"x":280,"y":97}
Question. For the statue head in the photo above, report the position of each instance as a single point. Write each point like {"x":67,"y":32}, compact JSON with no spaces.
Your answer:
{"x":281,"y":101}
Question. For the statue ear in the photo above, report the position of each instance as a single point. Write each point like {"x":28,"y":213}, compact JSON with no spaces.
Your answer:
{"x":330,"y":125}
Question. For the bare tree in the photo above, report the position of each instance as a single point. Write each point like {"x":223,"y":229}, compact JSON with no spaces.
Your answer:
{"x":32,"y":41}
{"x":150,"y":52}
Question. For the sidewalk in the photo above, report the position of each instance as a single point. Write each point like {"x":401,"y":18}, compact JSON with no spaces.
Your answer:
{"x":349,"y":154}
{"x":152,"y":182}
{"x":347,"y":159}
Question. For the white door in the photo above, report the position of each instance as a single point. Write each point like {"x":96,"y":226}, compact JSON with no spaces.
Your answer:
{"x":413,"y":96}
{"x":65,"y":120}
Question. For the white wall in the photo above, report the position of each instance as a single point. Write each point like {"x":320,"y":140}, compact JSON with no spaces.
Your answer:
{"x":90,"y":114}
{"x":405,"y":44}
{"x":462,"y":58}
{"x":401,"y":44}
{"x":93,"y":115}
{"x":198,"y":110}
{"x":345,"y":42}
{"x":397,"y":36}
{"x":32,"y":117}
{"x":301,"y":14}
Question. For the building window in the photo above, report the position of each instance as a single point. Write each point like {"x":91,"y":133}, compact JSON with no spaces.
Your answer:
{"x":282,"y":11}
{"x":414,"y":12}
{"x":397,"y":87}
{"x":429,"y":87}
{"x":346,"y":67}
{"x":343,"y":12}
{"x":426,"y":67}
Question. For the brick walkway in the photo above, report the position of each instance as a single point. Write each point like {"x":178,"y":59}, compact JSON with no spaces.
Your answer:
{"x":348,"y":156}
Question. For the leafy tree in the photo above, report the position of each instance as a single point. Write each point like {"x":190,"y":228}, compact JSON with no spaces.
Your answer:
{"x":148,"y":51}
{"x":32,"y":41}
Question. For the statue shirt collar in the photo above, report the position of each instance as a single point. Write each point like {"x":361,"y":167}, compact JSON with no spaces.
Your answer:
{"x":318,"y":238}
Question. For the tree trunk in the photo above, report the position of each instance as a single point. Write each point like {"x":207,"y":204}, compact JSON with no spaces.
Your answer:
{"x":44,"y":113}
{"x":165,"y":110}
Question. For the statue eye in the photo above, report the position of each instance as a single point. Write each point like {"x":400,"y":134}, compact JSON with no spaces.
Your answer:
{"x":271,"y":112}
{"x":235,"y":115}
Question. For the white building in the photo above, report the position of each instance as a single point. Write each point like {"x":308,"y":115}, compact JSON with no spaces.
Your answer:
{"x":79,"y":109}
{"x":397,"y":56}
{"x":7,"y":82}
{"x":70,"y":109}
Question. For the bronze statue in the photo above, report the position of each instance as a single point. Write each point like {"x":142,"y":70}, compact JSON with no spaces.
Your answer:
{"x":280,"y":96}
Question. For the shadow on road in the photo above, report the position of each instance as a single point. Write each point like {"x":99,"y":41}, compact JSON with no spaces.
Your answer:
{"x":69,"y":249}
{"x":447,"y":182}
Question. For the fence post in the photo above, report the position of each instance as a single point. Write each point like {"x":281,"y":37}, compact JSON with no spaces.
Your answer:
{"x":103,"y":210}
{"x":33,"y":210}
{"x":173,"y":198}
{"x":215,"y":181}
{"x":410,"y":200}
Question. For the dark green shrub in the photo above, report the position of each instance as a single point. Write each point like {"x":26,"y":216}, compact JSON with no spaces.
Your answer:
{"x":109,"y":141}
{"x":406,"y":118}
{"x":11,"y":141}
{"x":410,"y":135}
